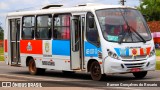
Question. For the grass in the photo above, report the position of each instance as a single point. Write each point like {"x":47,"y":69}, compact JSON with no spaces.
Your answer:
{"x":1,"y":54}
{"x":157,"y":52}
{"x":158,"y":65}
{"x":1,"y":50}
{"x":158,"y":61}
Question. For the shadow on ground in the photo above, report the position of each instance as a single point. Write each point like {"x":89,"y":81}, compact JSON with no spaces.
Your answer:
{"x":84,"y":76}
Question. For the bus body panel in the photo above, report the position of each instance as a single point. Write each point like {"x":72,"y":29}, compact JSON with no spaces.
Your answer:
{"x":47,"y":53}
{"x":145,"y":63}
{"x":56,"y":54}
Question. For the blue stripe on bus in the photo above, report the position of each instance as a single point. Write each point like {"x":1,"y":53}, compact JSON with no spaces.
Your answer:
{"x":127,"y":52}
{"x":123,"y":52}
{"x":91,"y":50}
{"x":61,"y":47}
{"x":117,"y":51}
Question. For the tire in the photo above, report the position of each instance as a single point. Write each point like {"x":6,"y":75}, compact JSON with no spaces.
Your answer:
{"x":140,"y":74}
{"x":95,"y":70}
{"x":33,"y":70}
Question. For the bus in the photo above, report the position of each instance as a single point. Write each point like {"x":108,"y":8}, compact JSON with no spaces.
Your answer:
{"x":97,"y":39}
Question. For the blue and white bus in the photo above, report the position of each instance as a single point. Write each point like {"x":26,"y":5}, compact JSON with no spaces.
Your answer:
{"x":100,"y":39}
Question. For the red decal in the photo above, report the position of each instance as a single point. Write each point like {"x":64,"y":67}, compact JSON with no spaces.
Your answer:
{"x":134,"y":51}
{"x":141,"y":51}
{"x":5,"y":45}
{"x":31,"y":46}
{"x":148,"y":50}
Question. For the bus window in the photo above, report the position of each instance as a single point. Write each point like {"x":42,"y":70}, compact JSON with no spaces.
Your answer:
{"x":43,"y":30}
{"x":28,"y":27}
{"x":61,"y":27}
{"x":92,"y":32}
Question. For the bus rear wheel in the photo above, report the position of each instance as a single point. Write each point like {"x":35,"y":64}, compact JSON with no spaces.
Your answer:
{"x":95,"y":70}
{"x":140,"y":74}
{"x":33,"y":70}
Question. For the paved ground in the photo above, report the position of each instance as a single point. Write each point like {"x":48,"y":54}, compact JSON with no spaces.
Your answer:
{"x":158,"y":58}
{"x":59,"y":80}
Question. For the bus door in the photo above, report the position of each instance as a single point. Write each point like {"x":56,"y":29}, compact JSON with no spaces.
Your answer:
{"x":77,"y":56}
{"x":15,"y":40}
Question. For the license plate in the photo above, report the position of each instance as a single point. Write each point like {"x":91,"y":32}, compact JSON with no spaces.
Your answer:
{"x":135,"y":70}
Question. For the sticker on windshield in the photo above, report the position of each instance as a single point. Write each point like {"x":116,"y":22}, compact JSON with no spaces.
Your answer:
{"x":112,"y":38}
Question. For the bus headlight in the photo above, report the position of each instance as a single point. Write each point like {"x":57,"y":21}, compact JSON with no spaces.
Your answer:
{"x":112,"y":54}
{"x":152,"y":53}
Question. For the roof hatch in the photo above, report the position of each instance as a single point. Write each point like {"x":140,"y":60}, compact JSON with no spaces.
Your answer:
{"x":51,"y":6}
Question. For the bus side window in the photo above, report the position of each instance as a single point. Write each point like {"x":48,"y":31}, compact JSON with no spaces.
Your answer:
{"x":43,"y":30}
{"x":28,"y":27}
{"x":92,"y":31}
{"x":62,"y":27}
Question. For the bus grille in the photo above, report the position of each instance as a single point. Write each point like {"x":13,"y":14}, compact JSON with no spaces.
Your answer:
{"x":135,"y":58}
{"x":135,"y":65}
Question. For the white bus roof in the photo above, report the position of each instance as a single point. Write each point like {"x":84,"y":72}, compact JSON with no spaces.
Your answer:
{"x":79,"y":8}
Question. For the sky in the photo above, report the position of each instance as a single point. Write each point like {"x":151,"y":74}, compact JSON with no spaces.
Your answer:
{"x":7,"y":6}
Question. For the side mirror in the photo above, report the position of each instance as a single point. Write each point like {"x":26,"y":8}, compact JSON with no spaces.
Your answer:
{"x":91,"y":22}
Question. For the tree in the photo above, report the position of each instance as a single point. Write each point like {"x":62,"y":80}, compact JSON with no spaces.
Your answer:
{"x":1,"y":33}
{"x":150,"y":8}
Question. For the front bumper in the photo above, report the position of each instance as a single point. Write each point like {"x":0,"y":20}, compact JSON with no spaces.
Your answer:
{"x":113,"y":66}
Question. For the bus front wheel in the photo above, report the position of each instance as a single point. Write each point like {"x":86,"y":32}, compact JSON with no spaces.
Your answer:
{"x":140,"y":74}
{"x":33,"y":70}
{"x":95,"y":70}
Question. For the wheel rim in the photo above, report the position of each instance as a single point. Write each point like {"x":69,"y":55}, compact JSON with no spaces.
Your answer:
{"x":32,"y":67}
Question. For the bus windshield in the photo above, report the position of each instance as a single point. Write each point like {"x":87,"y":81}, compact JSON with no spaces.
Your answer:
{"x":123,"y":25}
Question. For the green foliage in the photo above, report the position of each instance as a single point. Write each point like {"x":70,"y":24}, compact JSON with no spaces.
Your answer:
{"x":151,"y":8}
{"x":1,"y":33}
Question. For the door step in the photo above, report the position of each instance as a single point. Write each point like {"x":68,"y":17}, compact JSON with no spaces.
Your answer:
{"x":79,"y":70}
{"x":16,"y":65}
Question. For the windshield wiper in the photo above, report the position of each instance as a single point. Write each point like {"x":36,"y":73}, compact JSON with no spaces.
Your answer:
{"x":144,"y":41}
{"x":129,"y":28}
